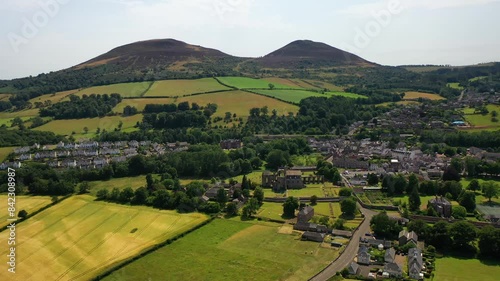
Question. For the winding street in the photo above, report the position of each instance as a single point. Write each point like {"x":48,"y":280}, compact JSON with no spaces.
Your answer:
{"x":350,"y":251}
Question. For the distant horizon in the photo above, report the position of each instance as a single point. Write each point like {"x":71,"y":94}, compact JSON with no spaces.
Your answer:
{"x":42,"y":36}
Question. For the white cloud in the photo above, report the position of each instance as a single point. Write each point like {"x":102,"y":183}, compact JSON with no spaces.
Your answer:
{"x":366,"y":10}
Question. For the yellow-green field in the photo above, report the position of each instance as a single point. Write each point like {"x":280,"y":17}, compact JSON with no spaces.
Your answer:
{"x":286,"y":82}
{"x":32,"y":112}
{"x":140,"y":104}
{"x":232,"y":250}
{"x":179,"y":88}
{"x":54,"y":98}
{"x":250,"y":83}
{"x":124,"y":89}
{"x":4,"y":152}
{"x":4,"y":97}
{"x":403,"y":102}
{"x":324,"y":85}
{"x":120,"y":183}
{"x":417,"y":95}
{"x":28,"y":203}
{"x":240,"y":103}
{"x":483,"y":122}
{"x":79,"y":238}
{"x":455,"y":86}
{"x":66,"y":127}
{"x":454,"y":269}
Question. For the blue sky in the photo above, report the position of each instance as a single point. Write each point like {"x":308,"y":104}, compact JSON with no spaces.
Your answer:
{"x":36,"y":39}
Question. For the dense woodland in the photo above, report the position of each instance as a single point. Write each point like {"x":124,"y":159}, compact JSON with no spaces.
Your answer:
{"x":84,"y":107}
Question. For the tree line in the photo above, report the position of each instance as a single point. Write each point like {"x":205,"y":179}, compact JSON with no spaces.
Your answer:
{"x":84,"y":107}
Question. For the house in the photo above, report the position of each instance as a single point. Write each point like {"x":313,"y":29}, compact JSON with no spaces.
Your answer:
{"x":53,"y":164}
{"x":69,"y":163}
{"x":313,"y":236}
{"x":22,"y":150}
{"x":129,"y":152}
{"x":133,"y":143}
{"x":211,"y":193}
{"x":407,"y":237}
{"x":415,"y":263}
{"x":393,"y":269}
{"x":353,"y":268}
{"x":442,"y":206}
{"x":377,"y":242}
{"x":25,"y":157}
{"x":230,"y":144}
{"x":342,"y":233}
{"x":118,"y":159}
{"x":285,"y":179}
{"x":390,"y":255}
{"x":363,"y":255}
{"x":305,"y":214}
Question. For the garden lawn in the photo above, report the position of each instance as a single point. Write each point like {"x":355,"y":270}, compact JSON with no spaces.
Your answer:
{"x":454,"y":269}
{"x":79,"y":238}
{"x":231,"y":250}
{"x":480,"y":121}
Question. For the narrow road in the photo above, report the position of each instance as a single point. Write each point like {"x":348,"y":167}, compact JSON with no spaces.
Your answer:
{"x":461,"y":95}
{"x":350,"y":251}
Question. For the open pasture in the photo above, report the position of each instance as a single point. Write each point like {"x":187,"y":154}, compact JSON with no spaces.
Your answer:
{"x":135,"y":89}
{"x":250,"y":83}
{"x":458,"y":269}
{"x":79,"y":238}
{"x":231,"y":250}
{"x":179,"y":88}
{"x":240,"y":103}
{"x":67,"y":127}
{"x":53,"y":98}
{"x":416,"y":95}
{"x":479,"y":121}
{"x":4,"y":152}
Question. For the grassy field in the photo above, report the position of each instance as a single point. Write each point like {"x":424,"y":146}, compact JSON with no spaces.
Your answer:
{"x":480,"y":121}
{"x":289,"y":83}
{"x":54,"y":98}
{"x":4,"y":97}
{"x":404,"y":102}
{"x":4,"y":152}
{"x":455,"y":86}
{"x":324,"y":85}
{"x":140,"y":103}
{"x":179,"y":88}
{"x":454,"y":269}
{"x":231,"y":250}
{"x":250,"y":83}
{"x":271,"y":211}
{"x":240,"y":103}
{"x":24,"y":114}
{"x":294,"y":96}
{"x":417,"y":95}
{"x":28,"y":203}
{"x":124,"y":89}
{"x":120,"y":183}
{"x":66,"y":127}
{"x":423,"y":200}
{"x":78,"y":238}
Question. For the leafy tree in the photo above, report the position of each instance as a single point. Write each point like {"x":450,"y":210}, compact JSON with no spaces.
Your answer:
{"x":221,"y":196}
{"x":412,"y":183}
{"x":474,"y":185}
{"x":232,"y":209}
{"x":86,"y":130}
{"x":348,"y":206}
{"x":324,"y":220}
{"x":383,"y":226}
{"x":372,"y":179}
{"x":314,"y":200}
{"x":102,"y":194}
{"x":468,"y":200}
{"x":115,"y":195}
{"x":339,"y":224}
{"x":490,"y":190}
{"x":126,"y":195}
{"x":414,"y":200}
{"x":250,"y":208}
{"x":462,"y":234}
{"x":489,"y":241}
{"x":400,"y":184}
{"x":291,"y":204}
{"x":420,"y":228}
{"x":277,"y":158}
{"x":459,"y":212}
{"x":84,"y":187}
{"x":450,"y":174}
{"x":271,"y":86}
{"x":439,"y":235}
{"x":345,"y":192}
{"x":140,"y":196}
{"x":22,"y":214}
{"x":258,"y":194}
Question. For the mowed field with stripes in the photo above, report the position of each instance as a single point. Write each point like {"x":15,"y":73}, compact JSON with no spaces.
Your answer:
{"x":79,"y":238}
